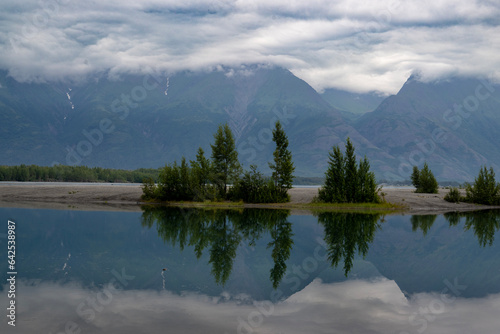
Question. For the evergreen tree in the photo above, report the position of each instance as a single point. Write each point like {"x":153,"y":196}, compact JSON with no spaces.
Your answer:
{"x":283,"y":165}
{"x":366,"y":184}
{"x":333,"y":189}
{"x":485,"y":190}
{"x":415,"y":177}
{"x":351,"y":172}
{"x":225,"y":159}
{"x":201,"y":170}
{"x":345,"y":181}
{"x":426,"y":181}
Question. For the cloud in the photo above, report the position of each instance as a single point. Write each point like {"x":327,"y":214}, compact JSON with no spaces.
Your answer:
{"x":349,"y":44}
{"x":358,"y":306}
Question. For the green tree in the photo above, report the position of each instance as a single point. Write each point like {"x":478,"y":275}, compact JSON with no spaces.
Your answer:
{"x":346,"y":181}
{"x":453,"y":195}
{"x":175,"y":183}
{"x":415,"y":177}
{"x":283,"y":166}
{"x":485,"y":190}
{"x":201,"y":170}
{"x":366,"y":185}
{"x":427,"y":181}
{"x":225,"y":159}
{"x":351,"y":172}
{"x":424,"y":181}
{"x":253,"y":187}
{"x":333,"y":189}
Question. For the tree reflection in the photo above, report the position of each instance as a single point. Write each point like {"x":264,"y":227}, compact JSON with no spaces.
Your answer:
{"x":221,"y":232}
{"x":484,"y":224}
{"x":346,"y":233}
{"x":423,"y":222}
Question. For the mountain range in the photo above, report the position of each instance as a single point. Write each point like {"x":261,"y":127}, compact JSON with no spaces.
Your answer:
{"x":133,"y":121}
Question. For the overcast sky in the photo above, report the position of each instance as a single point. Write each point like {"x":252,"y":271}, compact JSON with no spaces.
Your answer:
{"x":357,"y":45}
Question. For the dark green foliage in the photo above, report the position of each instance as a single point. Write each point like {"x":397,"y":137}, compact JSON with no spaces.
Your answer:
{"x":226,"y":167}
{"x":283,"y":165}
{"x":484,"y":223}
{"x":453,"y":195}
{"x":346,"y":233}
{"x":208,"y":180}
{"x":253,"y":187}
{"x":424,"y":181}
{"x":61,"y":173}
{"x":415,"y":177}
{"x":351,"y":172}
{"x":366,"y":186}
{"x":220,"y":232}
{"x":346,"y":181}
{"x":281,"y":234}
{"x":149,"y":189}
{"x":201,"y":169}
{"x":485,"y":190}
{"x":175,"y":183}
{"x":333,"y":191}
{"x":423,"y":222}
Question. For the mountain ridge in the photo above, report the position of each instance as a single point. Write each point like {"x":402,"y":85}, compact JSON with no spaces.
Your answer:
{"x":146,"y":121}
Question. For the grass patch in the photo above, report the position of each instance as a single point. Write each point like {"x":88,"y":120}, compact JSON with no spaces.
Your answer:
{"x":312,"y":207}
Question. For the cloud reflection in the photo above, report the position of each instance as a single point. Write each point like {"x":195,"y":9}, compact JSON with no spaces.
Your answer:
{"x":358,"y":306}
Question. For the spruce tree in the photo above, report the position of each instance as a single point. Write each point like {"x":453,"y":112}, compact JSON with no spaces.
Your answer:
{"x":366,"y":186}
{"x":283,"y":167}
{"x":225,"y":159}
{"x":485,"y":189}
{"x":426,"y":181}
{"x":415,"y":177}
{"x":345,"y":181}
{"x":333,"y":190}
{"x":351,"y":172}
{"x":201,"y":168}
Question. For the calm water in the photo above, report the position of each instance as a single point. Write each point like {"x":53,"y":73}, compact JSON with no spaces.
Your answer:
{"x":251,"y":271}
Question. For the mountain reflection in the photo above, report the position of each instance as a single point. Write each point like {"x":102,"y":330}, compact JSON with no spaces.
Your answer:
{"x":347,"y":232}
{"x":221,"y":232}
{"x":484,"y":224}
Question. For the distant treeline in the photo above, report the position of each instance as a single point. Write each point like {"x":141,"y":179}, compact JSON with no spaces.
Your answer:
{"x":61,"y":173}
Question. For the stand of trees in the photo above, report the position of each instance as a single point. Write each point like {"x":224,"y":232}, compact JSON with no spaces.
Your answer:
{"x":485,"y":190}
{"x":346,"y":181}
{"x":61,"y":173}
{"x":423,"y":180}
{"x":208,"y":179}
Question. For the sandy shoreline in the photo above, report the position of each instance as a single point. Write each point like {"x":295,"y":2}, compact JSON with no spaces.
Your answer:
{"x":125,"y":197}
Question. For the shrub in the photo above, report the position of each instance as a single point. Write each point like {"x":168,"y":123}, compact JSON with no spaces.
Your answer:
{"x":485,"y":190}
{"x":253,"y":187}
{"x":149,"y":189}
{"x":453,"y":195}
{"x":424,"y":181}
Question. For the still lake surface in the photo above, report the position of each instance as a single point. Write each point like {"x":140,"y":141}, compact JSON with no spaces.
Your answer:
{"x":251,"y":271}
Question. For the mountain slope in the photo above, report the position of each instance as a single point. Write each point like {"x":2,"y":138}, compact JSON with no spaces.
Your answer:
{"x":146,"y":121}
{"x":352,"y":105}
{"x":453,"y":125}
{"x":143,"y":121}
